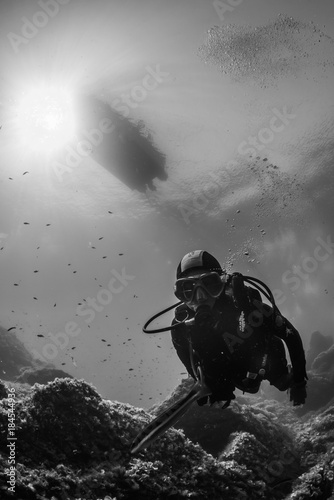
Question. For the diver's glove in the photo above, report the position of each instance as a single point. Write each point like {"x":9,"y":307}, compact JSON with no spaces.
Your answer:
{"x":220,"y":392}
{"x":218,"y":397}
{"x":215,"y":398}
{"x":298,"y":393}
{"x":203,"y":401}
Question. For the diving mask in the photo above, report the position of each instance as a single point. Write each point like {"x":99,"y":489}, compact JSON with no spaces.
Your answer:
{"x":211,"y":282}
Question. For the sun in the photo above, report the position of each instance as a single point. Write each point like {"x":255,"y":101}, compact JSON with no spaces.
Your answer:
{"x":43,"y":119}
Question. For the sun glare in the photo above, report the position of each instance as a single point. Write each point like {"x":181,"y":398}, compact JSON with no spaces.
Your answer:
{"x":44,"y":119}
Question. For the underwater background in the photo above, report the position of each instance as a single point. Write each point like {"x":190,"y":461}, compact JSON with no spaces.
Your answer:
{"x":132,"y":132}
{"x":229,"y":108}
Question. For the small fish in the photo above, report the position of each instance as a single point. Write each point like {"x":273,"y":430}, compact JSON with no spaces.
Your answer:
{"x":11,"y":328}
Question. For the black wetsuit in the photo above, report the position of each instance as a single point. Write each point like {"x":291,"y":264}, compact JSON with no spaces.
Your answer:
{"x":242,"y":337}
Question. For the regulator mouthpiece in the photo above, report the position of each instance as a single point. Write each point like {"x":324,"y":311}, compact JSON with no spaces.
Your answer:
{"x":203,"y":316}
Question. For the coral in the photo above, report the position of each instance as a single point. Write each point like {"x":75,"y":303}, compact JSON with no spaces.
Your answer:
{"x":72,"y":444}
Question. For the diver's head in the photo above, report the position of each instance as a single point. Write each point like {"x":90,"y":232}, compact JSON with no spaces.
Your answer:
{"x":198,"y":280}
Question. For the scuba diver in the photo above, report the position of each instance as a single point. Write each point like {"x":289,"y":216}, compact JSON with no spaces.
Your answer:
{"x":237,"y":337}
{"x":227,"y":338}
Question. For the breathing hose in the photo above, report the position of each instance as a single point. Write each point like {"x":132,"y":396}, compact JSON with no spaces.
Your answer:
{"x":256,"y":283}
